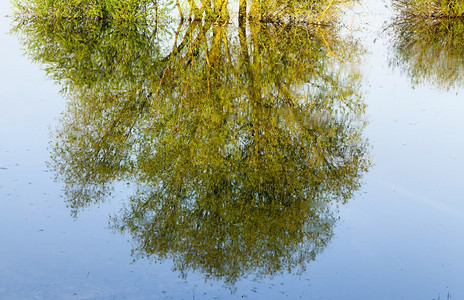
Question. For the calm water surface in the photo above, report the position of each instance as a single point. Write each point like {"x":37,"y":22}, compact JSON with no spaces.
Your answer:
{"x":261,"y":168}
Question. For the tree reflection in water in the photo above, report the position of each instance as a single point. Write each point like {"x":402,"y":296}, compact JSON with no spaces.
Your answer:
{"x":241,"y":141}
{"x":429,"y":50}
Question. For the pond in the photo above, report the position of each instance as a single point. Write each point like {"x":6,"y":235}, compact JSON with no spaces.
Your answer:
{"x":199,"y":160}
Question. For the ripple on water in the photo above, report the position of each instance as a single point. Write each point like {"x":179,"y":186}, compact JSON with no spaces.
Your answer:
{"x":70,"y":291}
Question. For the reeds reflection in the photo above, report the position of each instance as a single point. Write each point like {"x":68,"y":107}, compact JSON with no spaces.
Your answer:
{"x":240,"y":140}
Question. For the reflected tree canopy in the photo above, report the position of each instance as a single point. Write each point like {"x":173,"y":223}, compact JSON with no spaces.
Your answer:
{"x":313,"y":11}
{"x":429,"y":50}
{"x":433,"y":9}
{"x":240,"y":140}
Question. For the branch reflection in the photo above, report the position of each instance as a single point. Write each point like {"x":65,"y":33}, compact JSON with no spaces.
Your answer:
{"x":429,"y":50}
{"x":241,"y":141}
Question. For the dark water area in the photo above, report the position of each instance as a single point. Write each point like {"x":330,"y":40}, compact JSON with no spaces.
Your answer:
{"x":200,"y":161}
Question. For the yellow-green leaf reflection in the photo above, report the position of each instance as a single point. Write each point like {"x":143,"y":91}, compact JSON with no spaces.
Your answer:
{"x":429,"y":50}
{"x":240,"y":140}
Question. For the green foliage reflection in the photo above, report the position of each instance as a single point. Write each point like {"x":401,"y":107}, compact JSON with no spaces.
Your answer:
{"x":240,"y":140}
{"x":437,"y":9}
{"x":312,"y":11}
{"x":430,"y":51}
